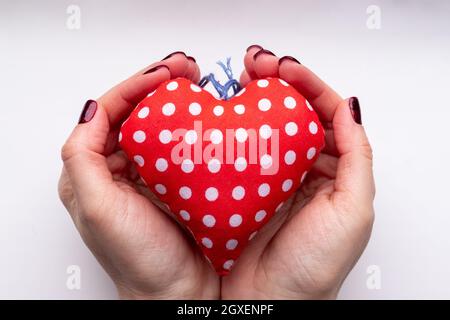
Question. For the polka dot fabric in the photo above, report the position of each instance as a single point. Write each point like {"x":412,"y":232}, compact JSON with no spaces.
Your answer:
{"x":223,"y":200}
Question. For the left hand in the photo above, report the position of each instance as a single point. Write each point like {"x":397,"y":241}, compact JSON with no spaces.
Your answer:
{"x":307,"y":249}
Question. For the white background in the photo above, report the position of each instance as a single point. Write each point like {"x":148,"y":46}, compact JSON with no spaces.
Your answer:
{"x":400,"y":73}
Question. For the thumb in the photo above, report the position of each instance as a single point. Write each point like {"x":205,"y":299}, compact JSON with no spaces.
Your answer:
{"x":354,"y":175}
{"x":83,"y":154}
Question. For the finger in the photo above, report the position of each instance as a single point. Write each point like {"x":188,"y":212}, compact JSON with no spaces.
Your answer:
{"x":244,"y":79}
{"x":117,"y":162}
{"x":120,"y":100}
{"x":354,"y":175}
{"x":249,"y":62}
{"x":190,"y":70}
{"x":265,"y":64}
{"x":330,"y":145}
{"x":82,"y":155}
{"x":196,"y":76}
{"x":326,"y":165}
{"x":323,"y":99}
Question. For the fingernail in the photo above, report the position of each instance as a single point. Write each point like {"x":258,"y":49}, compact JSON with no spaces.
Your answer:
{"x":191,"y":58}
{"x":172,"y":54}
{"x":254,"y":46}
{"x":89,"y":109}
{"x":288,"y":58}
{"x":262,"y":51}
{"x":353,"y":103}
{"x":156,"y":68}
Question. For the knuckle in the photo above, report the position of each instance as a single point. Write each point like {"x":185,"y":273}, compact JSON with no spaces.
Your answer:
{"x":366,"y":150}
{"x":68,"y":150}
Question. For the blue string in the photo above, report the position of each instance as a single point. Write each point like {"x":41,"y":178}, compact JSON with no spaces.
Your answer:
{"x":222,"y":89}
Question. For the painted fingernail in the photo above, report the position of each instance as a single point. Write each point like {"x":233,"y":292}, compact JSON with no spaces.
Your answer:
{"x":172,"y":54}
{"x":262,"y":51}
{"x":254,"y":46}
{"x":353,"y":103}
{"x":156,"y":68}
{"x":89,"y":109}
{"x":285,"y":58}
{"x":191,"y":58}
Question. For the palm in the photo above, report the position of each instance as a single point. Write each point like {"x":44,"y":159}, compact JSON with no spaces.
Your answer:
{"x":140,"y":229}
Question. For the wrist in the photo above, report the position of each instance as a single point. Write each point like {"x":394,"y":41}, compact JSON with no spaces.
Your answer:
{"x":127,"y":293}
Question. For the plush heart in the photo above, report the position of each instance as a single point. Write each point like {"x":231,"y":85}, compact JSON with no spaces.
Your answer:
{"x":223,"y":167}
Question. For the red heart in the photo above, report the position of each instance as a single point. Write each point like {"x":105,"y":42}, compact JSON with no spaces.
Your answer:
{"x":220,"y":197}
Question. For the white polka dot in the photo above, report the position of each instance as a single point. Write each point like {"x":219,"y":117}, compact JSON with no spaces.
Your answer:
{"x":264,"y":190}
{"x":289,"y":157}
{"x":143,"y":113}
{"x":291,"y":128}
{"x":235,"y":220}
{"x":231,"y":244}
{"x":165,"y":136}
{"x":195,"y":88}
{"x":216,"y":136}
{"x":240,"y":164}
{"x":265,"y":131}
{"x":207,"y":242}
{"x":262,"y":83}
{"x":252,"y":235}
{"x":160,"y":188}
{"x":287,"y":185}
{"x":195,"y":108}
{"x":266,"y":161}
{"x":209,"y":221}
{"x":190,"y":137}
{"x":241,"y":135}
{"x":311,"y":153}
{"x":168,"y":109}
{"x":185,"y":193}
{"x":313,"y":127}
{"x":218,"y":111}
{"x":120,"y":136}
{"x":161,"y":164}
{"x":214,"y":165}
{"x":279,"y":206}
{"x":290,"y":102}
{"x":187,"y":166}
{"x":264,"y":104}
{"x":139,"y":160}
{"x":172,"y":86}
{"x":260,"y":215}
{"x":284,"y":83}
{"x":240,"y":92}
{"x":211,"y":194}
{"x":238,"y":193}
{"x":185,"y":215}
{"x":139,"y":136}
{"x":303,"y":176}
{"x":239,"y":109}
{"x":228,"y":264}
{"x":309,"y":105}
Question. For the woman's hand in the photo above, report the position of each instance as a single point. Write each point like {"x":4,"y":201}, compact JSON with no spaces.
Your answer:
{"x":144,"y":251}
{"x":308,"y":248}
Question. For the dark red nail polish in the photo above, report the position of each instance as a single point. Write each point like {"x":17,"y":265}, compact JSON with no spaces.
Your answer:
{"x":191,"y":58}
{"x":89,"y":109}
{"x":156,"y":68}
{"x":288,"y":58}
{"x":174,"y":53}
{"x":254,"y":46}
{"x":353,"y":103}
{"x":262,"y":51}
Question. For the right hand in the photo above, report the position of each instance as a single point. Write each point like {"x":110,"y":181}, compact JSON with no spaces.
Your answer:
{"x":143,"y":249}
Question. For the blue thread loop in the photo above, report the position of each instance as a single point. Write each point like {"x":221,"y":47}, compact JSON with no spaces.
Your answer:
{"x":222,"y":89}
